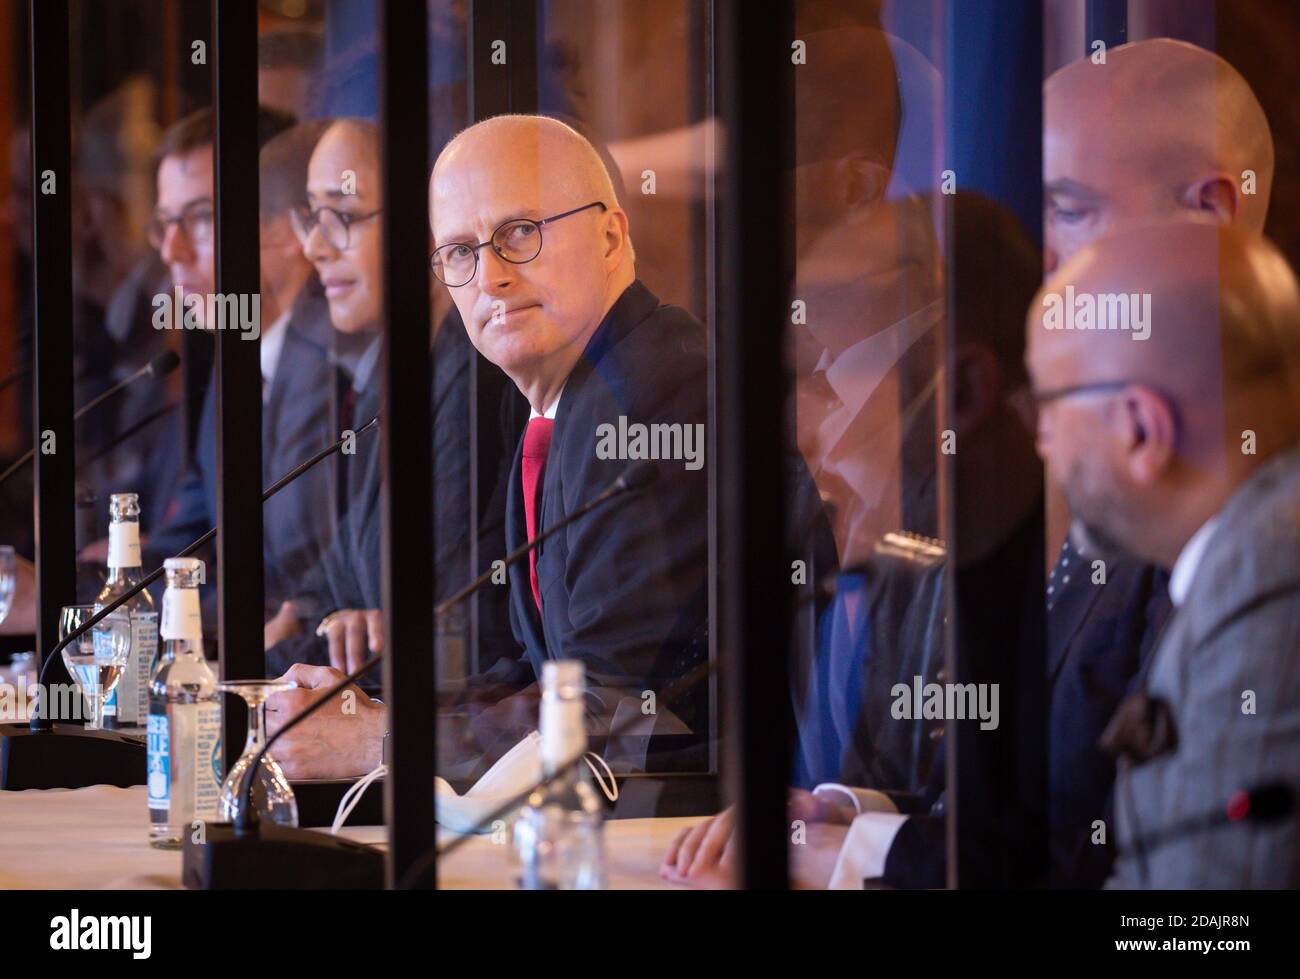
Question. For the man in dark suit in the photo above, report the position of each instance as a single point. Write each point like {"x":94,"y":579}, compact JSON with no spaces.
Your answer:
{"x":609,"y":376}
{"x":886,"y":624}
{"x":534,"y":248}
{"x":296,"y":420}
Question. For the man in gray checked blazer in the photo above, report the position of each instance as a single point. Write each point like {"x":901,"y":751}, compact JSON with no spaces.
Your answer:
{"x":1183,"y":448}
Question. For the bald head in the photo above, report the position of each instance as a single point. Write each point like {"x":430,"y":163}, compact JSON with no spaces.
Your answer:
{"x":544,"y":151}
{"x":1149,"y":436}
{"x":529,"y":308}
{"x":1163,"y":126}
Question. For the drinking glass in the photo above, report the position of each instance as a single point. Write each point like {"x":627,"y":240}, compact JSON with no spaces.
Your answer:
{"x":97,"y":658}
{"x":272,"y":793}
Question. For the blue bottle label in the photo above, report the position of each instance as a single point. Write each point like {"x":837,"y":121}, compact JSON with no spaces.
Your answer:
{"x":158,"y":755}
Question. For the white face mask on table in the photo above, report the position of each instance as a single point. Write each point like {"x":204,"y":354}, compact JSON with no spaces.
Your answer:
{"x":514,"y":773}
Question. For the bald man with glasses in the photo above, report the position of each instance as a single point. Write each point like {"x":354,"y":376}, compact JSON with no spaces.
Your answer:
{"x":535,"y":250}
{"x":532,"y":245}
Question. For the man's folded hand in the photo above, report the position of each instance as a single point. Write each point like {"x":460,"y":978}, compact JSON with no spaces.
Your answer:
{"x":342,"y":739}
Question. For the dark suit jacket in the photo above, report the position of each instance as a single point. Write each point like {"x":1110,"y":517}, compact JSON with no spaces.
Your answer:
{"x":297,"y":421}
{"x":624,"y":589}
{"x":1099,"y":637}
{"x":348,"y":574}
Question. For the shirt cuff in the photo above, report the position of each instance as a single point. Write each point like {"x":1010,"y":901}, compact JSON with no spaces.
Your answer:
{"x":862,"y":800}
{"x":865,"y":849}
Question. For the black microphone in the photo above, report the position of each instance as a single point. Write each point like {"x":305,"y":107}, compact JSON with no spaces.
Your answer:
{"x":160,"y":366}
{"x":114,"y":759}
{"x":126,"y":434}
{"x":633,"y":479}
{"x":670,"y":693}
{"x":305,"y":858}
{"x":1267,"y":803}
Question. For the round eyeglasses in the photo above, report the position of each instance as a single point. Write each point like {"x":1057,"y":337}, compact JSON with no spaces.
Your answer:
{"x":195,"y":221}
{"x":517,"y":241}
{"x":335,"y":226}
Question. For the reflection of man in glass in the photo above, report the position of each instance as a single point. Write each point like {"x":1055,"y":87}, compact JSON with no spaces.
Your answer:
{"x":1162,"y":127}
{"x":886,"y":621}
{"x":867,"y":281}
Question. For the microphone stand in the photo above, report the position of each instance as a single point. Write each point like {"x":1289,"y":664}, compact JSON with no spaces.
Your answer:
{"x":250,"y":853}
{"x":421,"y":866}
{"x":160,"y":366}
{"x":44,"y":755}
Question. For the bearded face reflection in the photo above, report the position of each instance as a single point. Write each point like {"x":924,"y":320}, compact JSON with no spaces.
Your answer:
{"x":1095,"y":512}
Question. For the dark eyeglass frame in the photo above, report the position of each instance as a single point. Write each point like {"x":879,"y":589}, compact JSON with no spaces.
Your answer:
{"x":1096,"y":387}
{"x":156,"y":228}
{"x":474,"y":249}
{"x":1106,"y":387}
{"x":346,"y":220}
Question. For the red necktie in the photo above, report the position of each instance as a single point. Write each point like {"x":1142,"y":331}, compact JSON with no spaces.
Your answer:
{"x":537,"y":442}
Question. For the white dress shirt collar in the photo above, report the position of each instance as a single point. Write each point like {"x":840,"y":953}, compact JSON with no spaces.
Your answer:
{"x":272,"y":344}
{"x":551,"y":410}
{"x":1189,"y":559}
{"x":366,"y":365}
{"x":857,"y":372}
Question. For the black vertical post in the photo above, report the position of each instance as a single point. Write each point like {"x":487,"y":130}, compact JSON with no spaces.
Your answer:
{"x":996,"y":800}
{"x":239,"y":370}
{"x":493,"y":89}
{"x":1106,"y":20}
{"x":53,"y":435}
{"x":407,"y":496}
{"x":756,"y":77}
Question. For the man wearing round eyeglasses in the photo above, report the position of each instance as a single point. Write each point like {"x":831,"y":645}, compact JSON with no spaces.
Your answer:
{"x":532,"y":245}
{"x":340,"y":236}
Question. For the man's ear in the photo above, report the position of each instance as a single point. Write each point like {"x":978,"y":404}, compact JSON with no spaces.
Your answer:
{"x":1151,"y":434}
{"x":614,"y":235}
{"x":1215,"y":195}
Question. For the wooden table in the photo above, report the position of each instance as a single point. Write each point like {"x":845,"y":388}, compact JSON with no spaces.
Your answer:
{"x":98,"y":837}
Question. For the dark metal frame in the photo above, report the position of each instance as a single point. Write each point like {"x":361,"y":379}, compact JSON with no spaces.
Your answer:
{"x":240,"y":595}
{"x":493,"y":90}
{"x":996,"y":781}
{"x":1105,"y":20}
{"x":53,"y":491}
{"x":756,"y":84}
{"x":408,"y":574}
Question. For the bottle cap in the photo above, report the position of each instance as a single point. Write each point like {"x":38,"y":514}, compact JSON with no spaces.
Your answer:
{"x":190,"y":564}
{"x":566,"y":676}
{"x":123,"y":505}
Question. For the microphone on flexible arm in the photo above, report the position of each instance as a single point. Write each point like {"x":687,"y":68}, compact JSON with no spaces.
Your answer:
{"x":248,"y":853}
{"x":70,"y":756}
{"x":160,"y":366}
{"x":673,"y":691}
{"x":125,"y":434}
{"x":1267,"y":803}
{"x":634,"y":479}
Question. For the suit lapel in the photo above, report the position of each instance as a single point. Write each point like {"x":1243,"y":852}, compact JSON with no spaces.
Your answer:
{"x":521,"y":589}
{"x":1063,"y":629}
